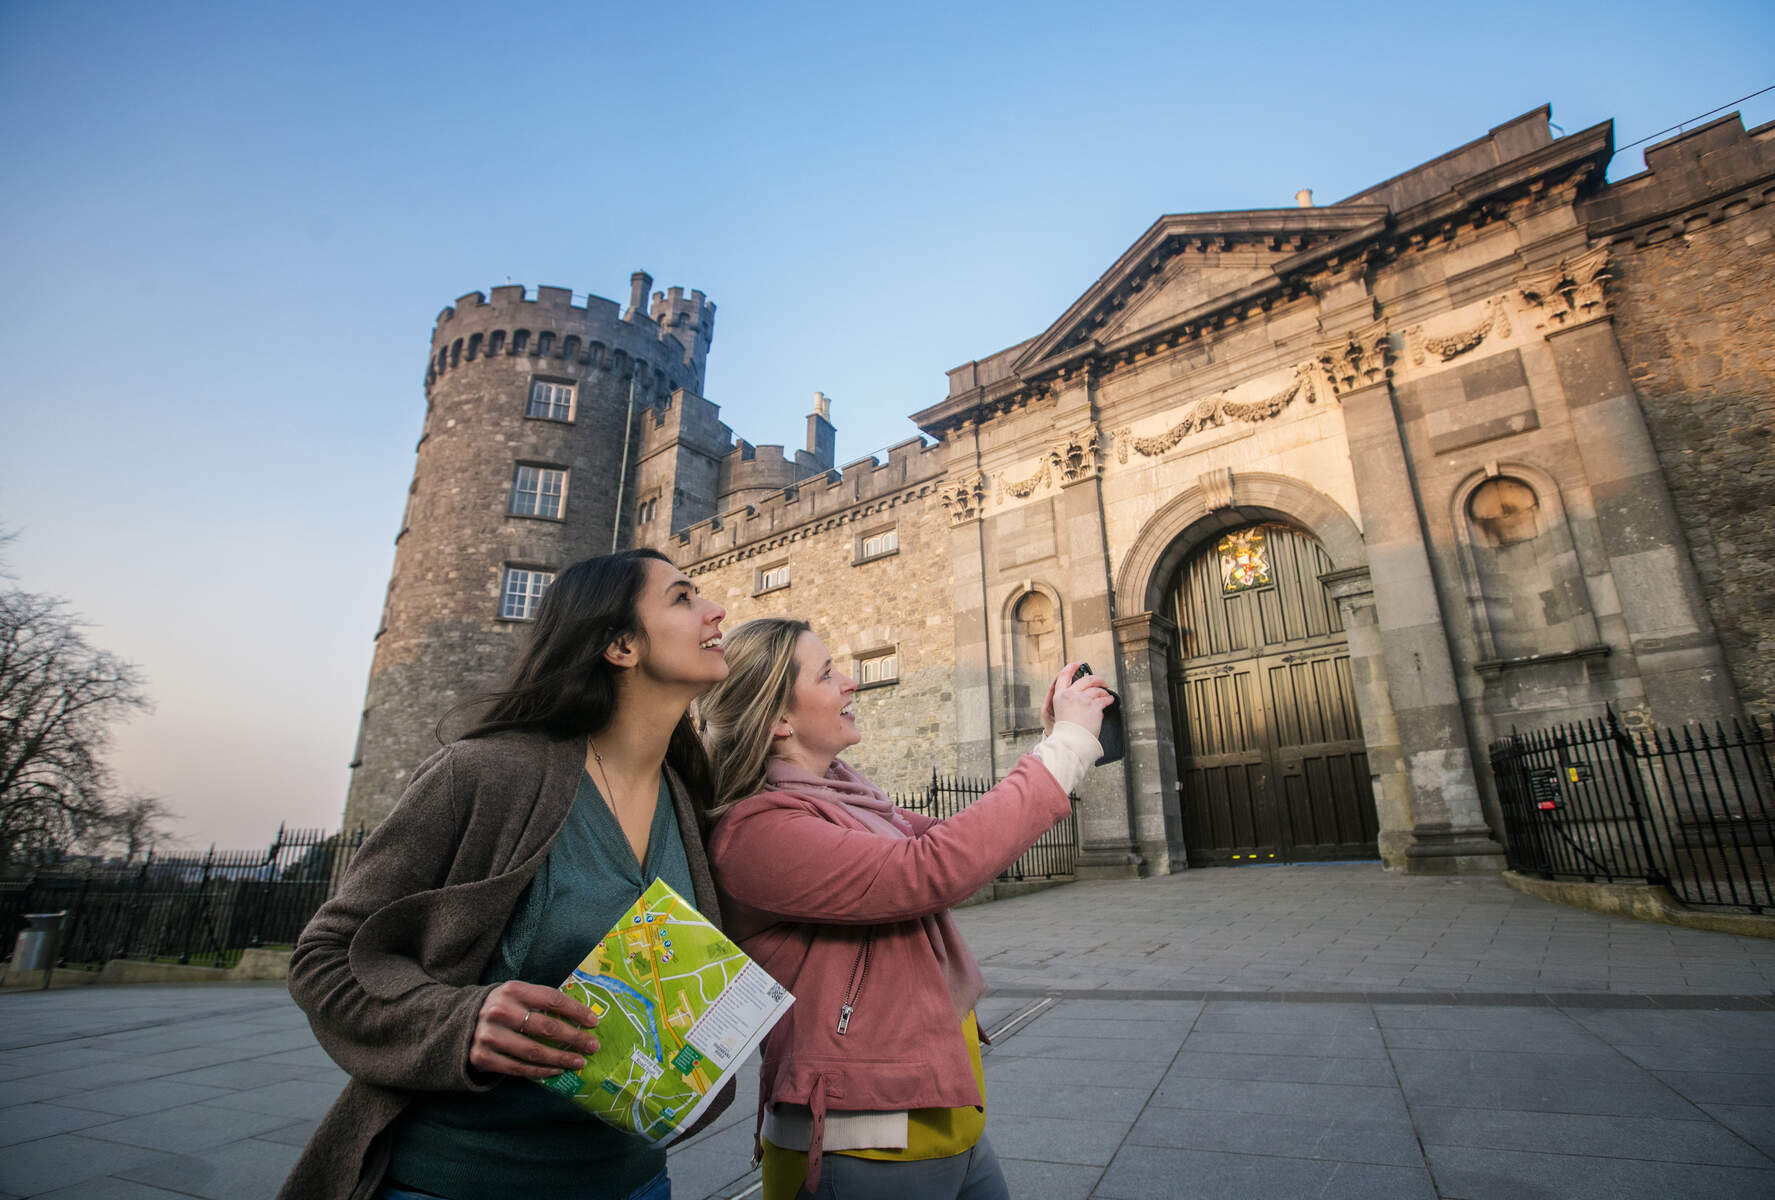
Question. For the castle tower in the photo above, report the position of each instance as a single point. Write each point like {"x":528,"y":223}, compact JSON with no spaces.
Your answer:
{"x":521,"y":470}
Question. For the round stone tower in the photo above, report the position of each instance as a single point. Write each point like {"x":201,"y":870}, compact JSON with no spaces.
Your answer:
{"x":521,"y":470}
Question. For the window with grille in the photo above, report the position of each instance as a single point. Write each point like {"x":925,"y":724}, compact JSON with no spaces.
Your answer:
{"x":875,"y":545}
{"x":538,"y":491}
{"x":883,"y":667}
{"x":550,"y":401}
{"x":770,"y":578}
{"x":522,"y":592}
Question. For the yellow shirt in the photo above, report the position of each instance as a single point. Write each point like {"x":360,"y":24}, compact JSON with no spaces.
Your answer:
{"x":930,"y":1133}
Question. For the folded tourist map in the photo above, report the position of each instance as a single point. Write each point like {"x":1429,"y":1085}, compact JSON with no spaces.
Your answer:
{"x":679,"y":1007}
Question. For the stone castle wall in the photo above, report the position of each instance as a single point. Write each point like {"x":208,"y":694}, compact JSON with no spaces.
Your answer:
{"x":1492,"y":324}
{"x":1693,"y":257}
{"x":899,"y":602}
{"x":441,"y":639}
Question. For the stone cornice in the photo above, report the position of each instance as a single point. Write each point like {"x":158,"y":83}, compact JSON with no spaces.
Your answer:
{"x":782,"y":537}
{"x":1351,"y":233}
{"x":1576,"y":157}
{"x":1170,"y":235}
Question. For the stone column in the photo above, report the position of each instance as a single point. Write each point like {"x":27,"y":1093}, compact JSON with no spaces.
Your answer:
{"x":1448,"y":830}
{"x":1674,"y":644}
{"x":1147,"y":640}
{"x":964,"y":495}
{"x":1353,"y":591}
{"x":1106,"y":840}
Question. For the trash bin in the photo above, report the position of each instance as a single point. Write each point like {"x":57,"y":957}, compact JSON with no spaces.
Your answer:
{"x":38,"y":945}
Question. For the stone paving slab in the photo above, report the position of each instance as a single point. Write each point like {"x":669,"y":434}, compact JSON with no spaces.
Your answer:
{"x":1220,"y":1033}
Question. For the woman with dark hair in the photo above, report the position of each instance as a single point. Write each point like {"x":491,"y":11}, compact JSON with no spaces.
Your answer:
{"x":871,"y":1085}
{"x":430,"y":977}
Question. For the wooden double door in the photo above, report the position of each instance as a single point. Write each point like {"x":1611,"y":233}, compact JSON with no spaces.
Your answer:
{"x":1271,"y":762}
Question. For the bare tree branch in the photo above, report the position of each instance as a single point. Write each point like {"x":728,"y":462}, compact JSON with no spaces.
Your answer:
{"x":59,"y":698}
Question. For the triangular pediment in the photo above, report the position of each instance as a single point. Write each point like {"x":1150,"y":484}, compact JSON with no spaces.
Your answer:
{"x":1187,"y":262}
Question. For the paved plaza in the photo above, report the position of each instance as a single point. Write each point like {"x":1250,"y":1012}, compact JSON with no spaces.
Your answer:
{"x":1332,"y":1032}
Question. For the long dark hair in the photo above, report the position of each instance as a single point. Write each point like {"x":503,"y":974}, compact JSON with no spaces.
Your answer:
{"x":562,"y":685}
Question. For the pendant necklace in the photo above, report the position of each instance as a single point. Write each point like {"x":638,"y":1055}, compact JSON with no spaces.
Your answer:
{"x":598,"y":759}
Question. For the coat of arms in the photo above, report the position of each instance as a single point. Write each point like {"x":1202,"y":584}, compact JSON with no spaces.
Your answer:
{"x":1244,"y":563}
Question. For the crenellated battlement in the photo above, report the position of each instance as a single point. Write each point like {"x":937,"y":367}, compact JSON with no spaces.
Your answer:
{"x":684,"y":415}
{"x":825,"y":498}
{"x":690,"y":319}
{"x":671,"y":339}
{"x":760,"y":469}
{"x":1691,"y":180}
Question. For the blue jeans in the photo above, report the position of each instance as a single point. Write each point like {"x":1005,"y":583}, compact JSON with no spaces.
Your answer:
{"x":657,"y":1188}
{"x":971,"y":1175}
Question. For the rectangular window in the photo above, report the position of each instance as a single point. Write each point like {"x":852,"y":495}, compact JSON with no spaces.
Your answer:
{"x":522,"y":591}
{"x":550,"y":401}
{"x":538,"y":492}
{"x":771,"y":578}
{"x":881,"y":667}
{"x":875,"y":545}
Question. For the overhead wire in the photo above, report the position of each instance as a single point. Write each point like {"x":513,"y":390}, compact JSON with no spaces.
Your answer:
{"x":1681,"y":124}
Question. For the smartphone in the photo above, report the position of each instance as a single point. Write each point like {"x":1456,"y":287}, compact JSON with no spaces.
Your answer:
{"x":1111,"y":736}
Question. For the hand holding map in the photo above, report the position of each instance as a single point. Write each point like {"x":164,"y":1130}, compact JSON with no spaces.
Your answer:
{"x":679,"y":1007}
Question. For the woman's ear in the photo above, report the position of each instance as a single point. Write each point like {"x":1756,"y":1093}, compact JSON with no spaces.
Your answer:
{"x":621,"y":653}
{"x":782,"y":728}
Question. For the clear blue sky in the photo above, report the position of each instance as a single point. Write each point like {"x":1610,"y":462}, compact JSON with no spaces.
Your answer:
{"x":226,"y":229}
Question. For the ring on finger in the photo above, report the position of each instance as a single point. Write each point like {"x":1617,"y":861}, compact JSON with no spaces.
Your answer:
{"x":528,"y":1013}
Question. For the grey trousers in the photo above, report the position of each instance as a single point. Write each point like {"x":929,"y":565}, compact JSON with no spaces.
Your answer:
{"x":974,"y":1175}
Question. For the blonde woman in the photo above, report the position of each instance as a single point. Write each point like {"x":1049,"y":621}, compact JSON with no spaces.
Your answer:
{"x":872,"y":1085}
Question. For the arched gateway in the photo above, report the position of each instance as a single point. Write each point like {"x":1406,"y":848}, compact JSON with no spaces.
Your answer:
{"x":1271,"y":765}
{"x":1260,"y":720}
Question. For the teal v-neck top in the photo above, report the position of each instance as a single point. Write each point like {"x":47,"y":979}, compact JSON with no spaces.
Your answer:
{"x":519,"y":1139}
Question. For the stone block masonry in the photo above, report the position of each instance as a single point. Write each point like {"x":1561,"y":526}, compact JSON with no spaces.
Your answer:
{"x":899,"y":602}
{"x":443,"y":637}
{"x":1693,"y":240}
{"x":1522,"y":418}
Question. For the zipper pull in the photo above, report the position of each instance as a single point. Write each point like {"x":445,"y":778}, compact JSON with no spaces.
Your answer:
{"x":844,"y":1017}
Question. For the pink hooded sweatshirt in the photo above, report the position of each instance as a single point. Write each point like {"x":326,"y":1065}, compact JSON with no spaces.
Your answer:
{"x":844,"y":899}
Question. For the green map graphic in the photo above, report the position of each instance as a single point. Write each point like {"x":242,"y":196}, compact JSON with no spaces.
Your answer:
{"x":678,"y":1004}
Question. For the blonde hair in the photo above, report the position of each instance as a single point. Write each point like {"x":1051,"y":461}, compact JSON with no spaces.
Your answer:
{"x":739,"y":712}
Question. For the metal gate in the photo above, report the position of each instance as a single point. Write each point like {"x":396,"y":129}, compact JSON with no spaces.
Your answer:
{"x":1271,"y":762}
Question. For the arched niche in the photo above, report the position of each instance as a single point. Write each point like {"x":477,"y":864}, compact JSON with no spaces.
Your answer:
{"x":1519,"y":566}
{"x":1033,"y":624}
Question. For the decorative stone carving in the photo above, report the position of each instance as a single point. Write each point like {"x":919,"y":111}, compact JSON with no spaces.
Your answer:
{"x":1358,"y":359}
{"x":1074,"y":457}
{"x":965,"y":498}
{"x":1022,"y":489}
{"x":1213,"y":412}
{"x":1497,"y":317}
{"x":1570,"y":294}
{"x":1217,"y":489}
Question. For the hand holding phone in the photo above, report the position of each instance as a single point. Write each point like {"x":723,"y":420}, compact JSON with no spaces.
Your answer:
{"x":1111,"y":736}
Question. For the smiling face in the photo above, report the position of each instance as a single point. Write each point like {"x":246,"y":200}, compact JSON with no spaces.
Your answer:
{"x":819,"y":723}
{"x":681,"y":631}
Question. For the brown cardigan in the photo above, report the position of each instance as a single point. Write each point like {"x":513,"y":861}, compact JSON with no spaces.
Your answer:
{"x":389,"y":969}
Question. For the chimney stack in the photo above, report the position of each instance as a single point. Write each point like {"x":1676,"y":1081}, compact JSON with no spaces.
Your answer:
{"x":639,"y":282}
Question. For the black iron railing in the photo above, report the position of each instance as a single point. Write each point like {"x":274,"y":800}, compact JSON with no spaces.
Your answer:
{"x":202,"y":908}
{"x":1688,"y":808}
{"x":1055,"y":853}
